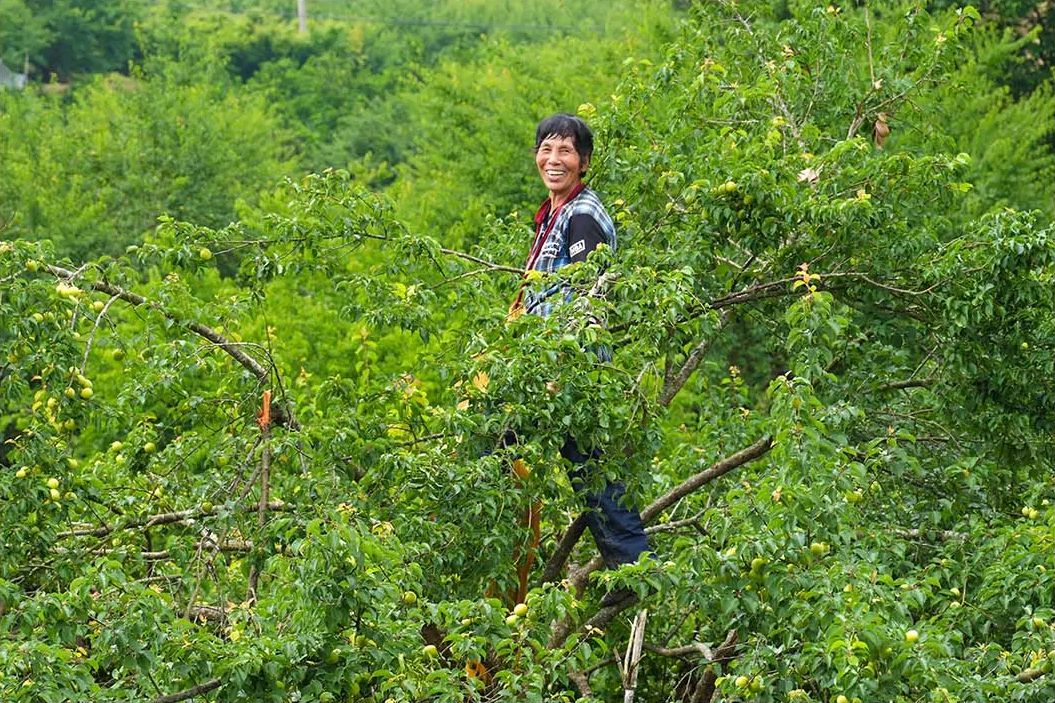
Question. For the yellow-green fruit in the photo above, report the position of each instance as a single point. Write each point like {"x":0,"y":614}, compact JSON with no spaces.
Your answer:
{"x":1039,"y":622}
{"x":742,"y":681}
{"x":98,"y":305}
{"x":757,"y":563}
{"x":819,"y":549}
{"x":205,"y":253}
{"x":70,"y":393}
{"x":70,"y":425}
{"x":512,"y":619}
{"x":410,"y":598}
{"x":1025,"y":510}
{"x":756,"y":684}
{"x":87,"y":393}
{"x":32,"y":265}
{"x":841,"y":699}
{"x":72,"y":462}
{"x":55,"y":494}
{"x":21,"y":473}
{"x":430,"y":650}
{"x":1033,"y":513}
{"x":53,"y":483}
{"x":911,"y":636}
{"x":116,"y":446}
{"x":150,"y":447}
{"x":37,"y":317}
{"x":520,"y":609}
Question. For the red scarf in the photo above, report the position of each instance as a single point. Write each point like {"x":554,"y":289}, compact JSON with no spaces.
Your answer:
{"x":542,"y":216}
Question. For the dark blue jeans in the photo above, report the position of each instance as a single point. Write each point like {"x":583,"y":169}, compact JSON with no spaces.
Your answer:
{"x":616,"y":527}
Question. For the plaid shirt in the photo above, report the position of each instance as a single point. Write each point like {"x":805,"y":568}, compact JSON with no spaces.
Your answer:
{"x":550,"y":249}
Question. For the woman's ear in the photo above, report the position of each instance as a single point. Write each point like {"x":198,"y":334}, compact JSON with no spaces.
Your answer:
{"x":585,"y":165}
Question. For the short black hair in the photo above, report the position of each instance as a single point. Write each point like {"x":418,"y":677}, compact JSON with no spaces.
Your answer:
{"x":565,"y":125}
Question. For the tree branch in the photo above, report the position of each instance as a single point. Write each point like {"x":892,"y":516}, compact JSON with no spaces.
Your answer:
{"x":720,"y":468}
{"x":726,"y":651}
{"x":674,"y":382}
{"x":233,"y":349}
{"x":908,"y":383}
{"x":563,"y":550}
{"x":189,"y":693}
{"x":162,"y":519}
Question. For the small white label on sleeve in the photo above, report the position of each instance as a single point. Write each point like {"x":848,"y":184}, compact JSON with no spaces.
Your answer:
{"x":577,"y":248}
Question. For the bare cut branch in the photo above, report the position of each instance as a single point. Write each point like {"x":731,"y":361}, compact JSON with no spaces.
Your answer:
{"x":189,"y":693}
{"x":162,"y":519}
{"x":632,"y":658}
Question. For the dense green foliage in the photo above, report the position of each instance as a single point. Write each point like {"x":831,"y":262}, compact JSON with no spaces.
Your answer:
{"x":832,"y":388}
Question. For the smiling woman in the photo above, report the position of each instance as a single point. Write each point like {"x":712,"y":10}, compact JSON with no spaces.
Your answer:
{"x":563,"y":147}
{"x":570,"y":224}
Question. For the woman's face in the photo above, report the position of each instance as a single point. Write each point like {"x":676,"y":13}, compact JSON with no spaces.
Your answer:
{"x":559,"y":166}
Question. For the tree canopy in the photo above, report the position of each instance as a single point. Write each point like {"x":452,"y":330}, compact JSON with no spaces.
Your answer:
{"x":253,"y":427}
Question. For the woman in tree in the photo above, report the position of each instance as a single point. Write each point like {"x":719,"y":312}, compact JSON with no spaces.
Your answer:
{"x":570,"y":223}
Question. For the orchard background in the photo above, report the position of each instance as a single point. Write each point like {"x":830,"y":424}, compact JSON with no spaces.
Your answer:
{"x":251,"y":418}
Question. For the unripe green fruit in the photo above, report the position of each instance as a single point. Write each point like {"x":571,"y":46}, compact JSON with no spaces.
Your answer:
{"x":430,"y":651}
{"x":742,"y":681}
{"x":842,"y":699}
{"x":911,"y":636}
{"x":410,"y":598}
{"x":512,"y":619}
{"x":55,"y":494}
{"x":87,"y":393}
{"x":32,"y":265}
{"x":520,"y":609}
{"x":70,"y":393}
{"x":150,"y":447}
{"x":53,"y":483}
{"x":205,"y":253}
